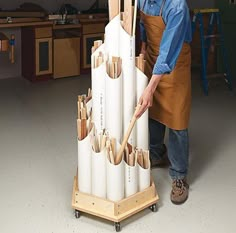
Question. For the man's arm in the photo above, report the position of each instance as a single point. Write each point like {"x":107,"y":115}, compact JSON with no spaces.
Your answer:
{"x":171,"y":45}
{"x":172,"y":41}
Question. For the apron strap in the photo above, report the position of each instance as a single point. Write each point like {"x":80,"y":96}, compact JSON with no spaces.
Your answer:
{"x":144,"y":3}
{"x":162,"y":6}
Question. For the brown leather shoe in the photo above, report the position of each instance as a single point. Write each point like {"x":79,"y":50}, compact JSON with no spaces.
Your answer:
{"x":179,"y":192}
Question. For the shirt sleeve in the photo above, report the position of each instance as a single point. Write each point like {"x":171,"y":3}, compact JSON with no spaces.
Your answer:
{"x":172,"y":41}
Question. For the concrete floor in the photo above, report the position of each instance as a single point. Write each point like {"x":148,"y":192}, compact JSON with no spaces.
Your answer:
{"x":38,"y":159}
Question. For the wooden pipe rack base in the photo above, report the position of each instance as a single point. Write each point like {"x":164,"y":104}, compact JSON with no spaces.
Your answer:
{"x":114,"y":211}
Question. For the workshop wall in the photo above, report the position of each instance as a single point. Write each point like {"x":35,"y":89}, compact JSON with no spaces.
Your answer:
{"x":83,"y":5}
{"x":51,"y":6}
{"x":201,"y":4}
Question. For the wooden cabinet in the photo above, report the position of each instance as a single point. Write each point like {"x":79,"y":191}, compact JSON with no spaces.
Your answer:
{"x":37,"y":52}
{"x":66,"y":57}
{"x":93,"y":28}
{"x":43,"y":32}
{"x":90,"y":33}
{"x":57,"y":51}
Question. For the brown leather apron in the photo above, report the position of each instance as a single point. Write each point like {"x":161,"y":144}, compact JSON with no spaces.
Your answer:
{"x":172,"y":98}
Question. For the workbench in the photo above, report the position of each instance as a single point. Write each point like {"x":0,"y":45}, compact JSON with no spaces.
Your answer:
{"x":25,"y":24}
{"x":42,"y":43}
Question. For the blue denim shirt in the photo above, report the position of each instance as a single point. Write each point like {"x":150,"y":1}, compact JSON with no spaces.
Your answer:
{"x":178,"y":30}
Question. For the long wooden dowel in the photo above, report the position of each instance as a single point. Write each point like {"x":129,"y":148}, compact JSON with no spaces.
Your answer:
{"x":114,"y":8}
{"x":128,"y":16}
{"x":135,"y":16}
{"x":126,"y":137}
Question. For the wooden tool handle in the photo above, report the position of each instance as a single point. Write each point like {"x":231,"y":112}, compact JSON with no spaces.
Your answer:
{"x":126,"y":137}
{"x":12,"y":52}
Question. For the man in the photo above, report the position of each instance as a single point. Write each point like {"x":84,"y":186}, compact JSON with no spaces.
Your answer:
{"x":166,"y":33}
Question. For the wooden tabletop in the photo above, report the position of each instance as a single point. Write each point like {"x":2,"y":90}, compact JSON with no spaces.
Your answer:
{"x":94,"y":20}
{"x":66,"y":26}
{"x":25,"y":24}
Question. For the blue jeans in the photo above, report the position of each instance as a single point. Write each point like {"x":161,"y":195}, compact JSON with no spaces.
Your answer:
{"x":178,"y":148}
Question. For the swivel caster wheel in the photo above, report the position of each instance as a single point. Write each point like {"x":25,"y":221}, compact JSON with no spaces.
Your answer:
{"x":153,"y":208}
{"x":77,"y":214}
{"x":117,"y":226}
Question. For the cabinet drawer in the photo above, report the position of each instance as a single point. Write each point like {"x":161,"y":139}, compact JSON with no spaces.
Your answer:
{"x":93,"y":28}
{"x":43,"y":32}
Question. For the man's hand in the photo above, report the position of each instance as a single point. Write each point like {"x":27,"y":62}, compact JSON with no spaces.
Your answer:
{"x":147,"y":97}
{"x":145,"y":101}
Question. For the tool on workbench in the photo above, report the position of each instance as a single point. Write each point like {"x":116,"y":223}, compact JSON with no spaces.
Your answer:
{"x":12,"y":47}
{"x":7,"y":45}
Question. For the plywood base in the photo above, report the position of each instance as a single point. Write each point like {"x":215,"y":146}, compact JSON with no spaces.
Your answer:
{"x":113,"y":211}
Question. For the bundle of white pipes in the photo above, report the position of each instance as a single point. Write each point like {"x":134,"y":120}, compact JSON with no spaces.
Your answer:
{"x":117,"y":83}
